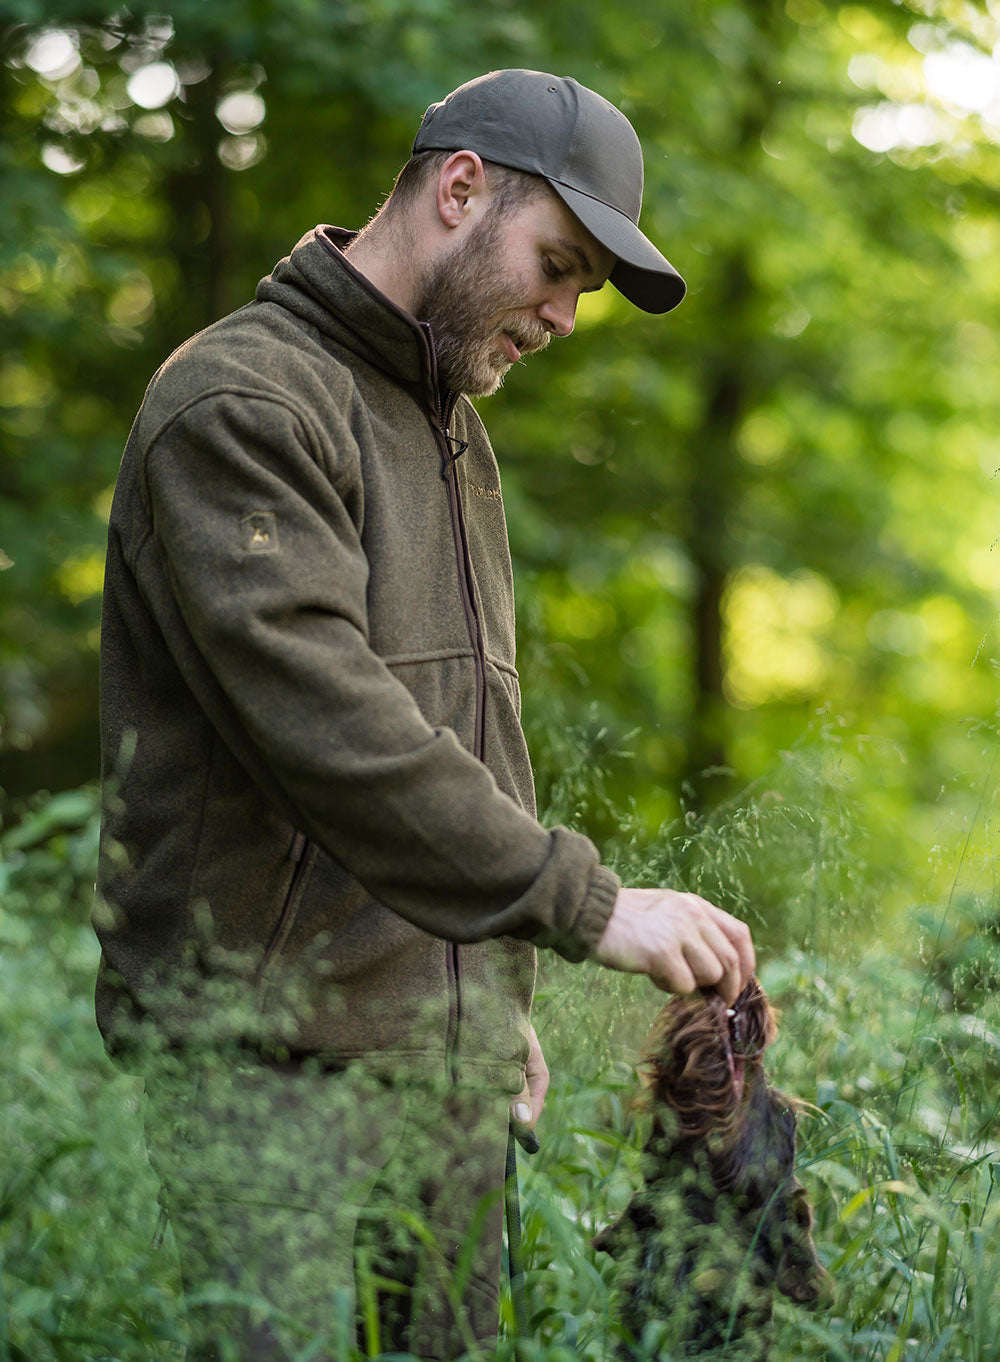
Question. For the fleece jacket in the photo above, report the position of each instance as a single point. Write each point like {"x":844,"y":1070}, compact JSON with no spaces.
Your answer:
{"x":319,"y":834}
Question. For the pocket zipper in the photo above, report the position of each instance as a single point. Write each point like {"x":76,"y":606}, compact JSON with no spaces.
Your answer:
{"x":300,"y":853}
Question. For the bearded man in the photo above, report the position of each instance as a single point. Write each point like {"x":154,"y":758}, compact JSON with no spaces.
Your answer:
{"x":323,"y":883}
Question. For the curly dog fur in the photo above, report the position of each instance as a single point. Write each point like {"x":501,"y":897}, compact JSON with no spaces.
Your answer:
{"x":720,"y":1219}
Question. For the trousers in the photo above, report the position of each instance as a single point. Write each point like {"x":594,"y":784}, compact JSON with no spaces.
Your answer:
{"x":329,"y":1214}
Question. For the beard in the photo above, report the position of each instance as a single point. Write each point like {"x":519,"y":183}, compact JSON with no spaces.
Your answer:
{"x":466,"y":298}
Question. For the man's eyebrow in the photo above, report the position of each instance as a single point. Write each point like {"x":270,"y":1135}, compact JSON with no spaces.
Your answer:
{"x":582,"y":258}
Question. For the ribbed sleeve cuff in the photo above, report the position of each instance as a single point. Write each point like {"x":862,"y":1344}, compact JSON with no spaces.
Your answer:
{"x":592,"y":918}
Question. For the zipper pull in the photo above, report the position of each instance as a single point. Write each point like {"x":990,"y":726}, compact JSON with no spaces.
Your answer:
{"x":453,"y":455}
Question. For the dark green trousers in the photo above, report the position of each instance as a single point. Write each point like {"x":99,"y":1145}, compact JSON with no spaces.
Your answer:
{"x":328,"y":1213}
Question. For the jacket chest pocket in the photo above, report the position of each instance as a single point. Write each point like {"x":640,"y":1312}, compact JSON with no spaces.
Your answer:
{"x":414,"y":599}
{"x":490,"y":553}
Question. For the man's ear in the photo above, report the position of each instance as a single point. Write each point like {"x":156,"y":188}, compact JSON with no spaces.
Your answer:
{"x":461,"y":187}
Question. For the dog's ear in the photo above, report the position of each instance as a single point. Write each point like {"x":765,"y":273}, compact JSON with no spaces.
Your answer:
{"x":684,"y":1065}
{"x":800,"y":1275}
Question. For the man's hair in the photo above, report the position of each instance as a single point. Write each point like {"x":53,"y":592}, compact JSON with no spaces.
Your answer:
{"x":509,"y":189}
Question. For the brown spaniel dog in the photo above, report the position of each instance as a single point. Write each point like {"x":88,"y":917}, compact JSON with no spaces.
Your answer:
{"x":721,"y":1218}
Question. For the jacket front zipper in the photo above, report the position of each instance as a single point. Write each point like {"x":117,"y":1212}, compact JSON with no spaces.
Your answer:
{"x":464,"y":556}
{"x":451,"y":451}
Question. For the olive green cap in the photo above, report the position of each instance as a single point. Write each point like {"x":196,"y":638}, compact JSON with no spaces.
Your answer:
{"x":585,"y":148}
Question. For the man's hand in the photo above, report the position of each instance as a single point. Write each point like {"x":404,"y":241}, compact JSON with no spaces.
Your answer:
{"x":681,"y":941}
{"x":527,"y":1105}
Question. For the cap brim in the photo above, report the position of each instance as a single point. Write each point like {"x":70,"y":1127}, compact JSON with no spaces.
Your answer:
{"x":642,"y":274}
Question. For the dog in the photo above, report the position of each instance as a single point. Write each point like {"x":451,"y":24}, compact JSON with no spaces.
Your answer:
{"x":720,"y":1219}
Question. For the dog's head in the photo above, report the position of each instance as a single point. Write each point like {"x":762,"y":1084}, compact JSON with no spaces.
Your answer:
{"x":701,"y":1058}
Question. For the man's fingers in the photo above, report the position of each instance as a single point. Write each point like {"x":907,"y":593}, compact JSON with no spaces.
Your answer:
{"x":676,"y":977}
{"x":527,"y":1105}
{"x":681,"y":941}
{"x":738,"y":934}
{"x":698,"y":953}
{"x":537,"y":1087}
{"x":520,"y":1108}
{"x":743,"y":942}
{"x":714,"y":963}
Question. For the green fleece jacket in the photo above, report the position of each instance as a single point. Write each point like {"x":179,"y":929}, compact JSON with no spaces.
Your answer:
{"x":319,"y":833}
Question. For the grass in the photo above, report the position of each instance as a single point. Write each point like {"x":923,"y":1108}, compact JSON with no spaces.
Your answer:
{"x":895,"y":1044}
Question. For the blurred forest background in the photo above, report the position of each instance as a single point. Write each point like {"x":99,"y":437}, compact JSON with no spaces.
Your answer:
{"x":755,"y":541}
{"x":764,"y":522}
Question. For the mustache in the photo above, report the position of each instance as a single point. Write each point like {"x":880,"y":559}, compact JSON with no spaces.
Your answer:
{"x":529,"y":339}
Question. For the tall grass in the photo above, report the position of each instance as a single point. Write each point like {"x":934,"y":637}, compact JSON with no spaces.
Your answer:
{"x":889,"y":1030}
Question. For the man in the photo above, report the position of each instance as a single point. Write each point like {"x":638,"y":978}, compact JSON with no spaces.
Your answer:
{"x":322,"y":873}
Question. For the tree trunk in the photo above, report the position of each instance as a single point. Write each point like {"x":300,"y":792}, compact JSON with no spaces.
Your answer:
{"x":716,"y":470}
{"x":199,"y":196}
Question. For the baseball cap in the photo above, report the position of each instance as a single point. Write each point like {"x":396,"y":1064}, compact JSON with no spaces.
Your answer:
{"x":583,"y":146}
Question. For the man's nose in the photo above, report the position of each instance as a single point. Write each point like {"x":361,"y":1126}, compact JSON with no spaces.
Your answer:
{"x":559,"y":313}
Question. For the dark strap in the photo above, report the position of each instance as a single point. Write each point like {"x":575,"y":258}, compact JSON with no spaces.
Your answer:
{"x":515,"y":1254}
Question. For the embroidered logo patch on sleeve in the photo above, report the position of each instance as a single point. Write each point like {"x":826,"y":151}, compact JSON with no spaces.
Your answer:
{"x":259,"y":532}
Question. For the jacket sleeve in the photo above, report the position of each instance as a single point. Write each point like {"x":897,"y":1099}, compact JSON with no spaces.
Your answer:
{"x":279,"y":638}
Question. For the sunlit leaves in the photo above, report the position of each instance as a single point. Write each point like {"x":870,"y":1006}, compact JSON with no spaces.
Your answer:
{"x":817,"y":419}
{"x":776,"y":627}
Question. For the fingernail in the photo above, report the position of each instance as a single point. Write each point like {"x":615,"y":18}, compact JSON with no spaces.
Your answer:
{"x":522,"y":1112}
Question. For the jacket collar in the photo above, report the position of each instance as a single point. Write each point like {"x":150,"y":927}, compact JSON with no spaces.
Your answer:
{"x":318,"y":283}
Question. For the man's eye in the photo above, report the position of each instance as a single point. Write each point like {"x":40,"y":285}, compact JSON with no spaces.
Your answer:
{"x":551,"y":268}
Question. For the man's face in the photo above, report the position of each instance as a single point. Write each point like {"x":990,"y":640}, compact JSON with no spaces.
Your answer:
{"x":506,"y":289}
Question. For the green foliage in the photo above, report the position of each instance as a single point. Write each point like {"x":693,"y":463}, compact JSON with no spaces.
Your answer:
{"x":754,"y":553}
{"x":895,"y":1149}
{"x":772,"y":503}
{"x":77,"y":1200}
{"x":895,"y":1054}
